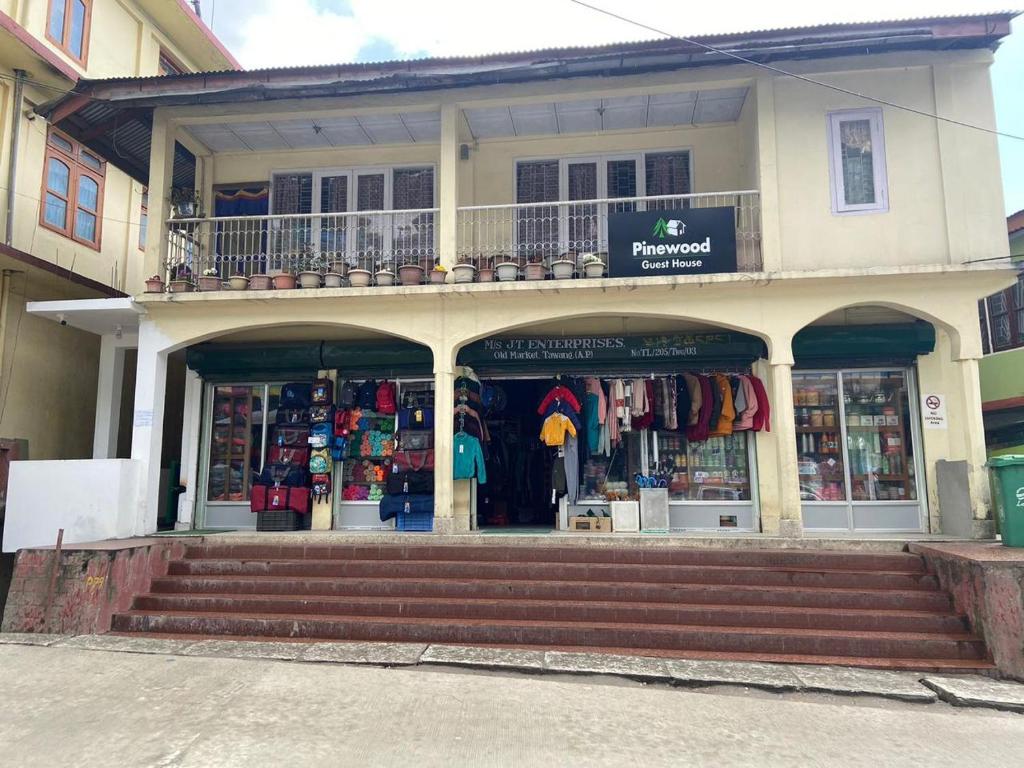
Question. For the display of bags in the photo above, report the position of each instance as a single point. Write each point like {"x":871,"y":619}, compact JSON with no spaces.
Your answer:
{"x":416,"y":418}
{"x":320,"y":461}
{"x":391,"y":505}
{"x":292,"y":436}
{"x":283,"y":474}
{"x":410,"y":482}
{"x":386,"y":397}
{"x":296,"y":395}
{"x":411,"y":440}
{"x":322,"y":392}
{"x":288,"y":454}
{"x":293,"y":416}
{"x":321,"y":435}
{"x":321,"y":414}
{"x":414,"y":461}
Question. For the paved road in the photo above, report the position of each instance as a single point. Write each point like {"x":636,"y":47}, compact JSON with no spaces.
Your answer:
{"x":70,"y":707}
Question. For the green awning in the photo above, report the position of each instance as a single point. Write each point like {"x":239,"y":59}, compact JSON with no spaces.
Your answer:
{"x":845,"y":345}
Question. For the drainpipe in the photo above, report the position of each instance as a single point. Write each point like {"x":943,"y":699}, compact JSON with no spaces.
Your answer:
{"x":12,"y":166}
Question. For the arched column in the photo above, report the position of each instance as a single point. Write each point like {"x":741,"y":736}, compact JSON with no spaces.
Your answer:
{"x":148,"y":425}
{"x":445,"y":519}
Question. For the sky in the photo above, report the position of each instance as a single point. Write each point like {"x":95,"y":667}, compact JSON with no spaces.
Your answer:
{"x":269,"y":33}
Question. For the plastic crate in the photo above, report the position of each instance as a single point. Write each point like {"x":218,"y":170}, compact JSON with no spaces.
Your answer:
{"x":415,"y":521}
{"x":279,"y":520}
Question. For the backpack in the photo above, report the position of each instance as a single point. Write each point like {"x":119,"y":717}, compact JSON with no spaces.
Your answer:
{"x":386,"y":397}
{"x":347,"y":399}
{"x":367,"y":395}
{"x":290,"y":475}
{"x":322,"y":392}
{"x":338,"y":446}
{"x":341,"y":423}
{"x":319,"y":414}
{"x":321,"y":487}
{"x":296,"y":395}
{"x":320,"y":461}
{"x":320,"y":435}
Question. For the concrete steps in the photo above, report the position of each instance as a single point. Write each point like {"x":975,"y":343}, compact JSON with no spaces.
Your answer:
{"x":880,"y":609}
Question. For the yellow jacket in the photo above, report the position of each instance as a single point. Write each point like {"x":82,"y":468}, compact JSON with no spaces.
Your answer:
{"x":552,"y":433}
{"x":724,"y":426}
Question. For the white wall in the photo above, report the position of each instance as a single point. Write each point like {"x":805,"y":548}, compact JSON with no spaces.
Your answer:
{"x":90,"y":499}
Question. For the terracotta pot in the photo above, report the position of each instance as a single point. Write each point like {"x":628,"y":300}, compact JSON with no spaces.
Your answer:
{"x":210,"y":283}
{"x":155,"y":286}
{"x":463,"y":273}
{"x":594,"y":270}
{"x":238,"y":282}
{"x":535,"y":271}
{"x":437,"y":276}
{"x":507,"y":271}
{"x":309,"y":279}
{"x":284,"y":282}
{"x":260,"y":283}
{"x":563,"y":269}
{"x":180,"y":286}
{"x":385,"y":277}
{"x":333,"y":280}
{"x":359,"y":278}
{"x":485,"y":275}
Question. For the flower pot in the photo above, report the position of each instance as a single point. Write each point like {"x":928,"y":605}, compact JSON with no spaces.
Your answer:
{"x":238,"y":282}
{"x":180,"y":286}
{"x":562,"y":269}
{"x":463,"y":273}
{"x":155,"y":286}
{"x":309,"y":279}
{"x":333,"y":280}
{"x":259,"y":283}
{"x":535,"y":272}
{"x":385,"y":277}
{"x":437,"y":276}
{"x":359,"y":278}
{"x":507,"y":271}
{"x":410,"y":274}
{"x":485,"y":275}
{"x":210,"y":283}
{"x":595,"y":269}
{"x":284,"y":282}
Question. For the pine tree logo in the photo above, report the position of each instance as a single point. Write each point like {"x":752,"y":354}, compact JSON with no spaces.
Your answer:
{"x":660,"y":229}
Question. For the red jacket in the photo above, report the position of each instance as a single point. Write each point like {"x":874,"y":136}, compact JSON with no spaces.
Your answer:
{"x":763,"y":417}
{"x":559,"y":393}
{"x":699,"y":431}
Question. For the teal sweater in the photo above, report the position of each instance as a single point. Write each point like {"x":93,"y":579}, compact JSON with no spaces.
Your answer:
{"x":469,"y":458}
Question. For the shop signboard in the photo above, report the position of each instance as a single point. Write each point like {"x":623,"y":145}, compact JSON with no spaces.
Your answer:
{"x":690,"y":241}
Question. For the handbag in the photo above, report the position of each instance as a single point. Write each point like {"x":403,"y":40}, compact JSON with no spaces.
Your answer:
{"x":391,"y":505}
{"x":291,"y":435}
{"x":295,"y":395}
{"x":286,"y":454}
{"x":414,"y":461}
{"x":293,"y":417}
{"x":292,"y":475}
{"x":268,"y":498}
{"x":410,"y":482}
{"x":415,"y":441}
{"x":416,"y":418}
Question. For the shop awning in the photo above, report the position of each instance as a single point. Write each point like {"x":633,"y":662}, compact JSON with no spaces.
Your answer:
{"x":846,"y":345}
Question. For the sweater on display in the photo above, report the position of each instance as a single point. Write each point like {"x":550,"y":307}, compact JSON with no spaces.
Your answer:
{"x":555,"y":428}
{"x":469,"y":458}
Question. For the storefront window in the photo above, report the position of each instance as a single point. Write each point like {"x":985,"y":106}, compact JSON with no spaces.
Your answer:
{"x":819,"y":438}
{"x":236,"y":441}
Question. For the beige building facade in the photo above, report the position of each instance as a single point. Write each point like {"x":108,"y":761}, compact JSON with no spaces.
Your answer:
{"x":865,"y":233}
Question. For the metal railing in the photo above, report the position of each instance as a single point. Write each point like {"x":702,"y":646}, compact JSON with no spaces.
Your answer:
{"x":293,"y":243}
{"x":541,"y":233}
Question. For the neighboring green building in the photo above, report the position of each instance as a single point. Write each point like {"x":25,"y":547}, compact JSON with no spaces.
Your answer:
{"x":1002,"y":368}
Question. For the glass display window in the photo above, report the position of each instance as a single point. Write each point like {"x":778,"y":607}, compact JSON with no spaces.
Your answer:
{"x":236,"y":441}
{"x":819,"y":440}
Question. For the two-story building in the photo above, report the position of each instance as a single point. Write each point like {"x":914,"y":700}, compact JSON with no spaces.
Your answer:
{"x":684,"y":242}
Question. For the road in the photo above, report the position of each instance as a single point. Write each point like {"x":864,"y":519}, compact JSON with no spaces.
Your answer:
{"x":72,"y":707}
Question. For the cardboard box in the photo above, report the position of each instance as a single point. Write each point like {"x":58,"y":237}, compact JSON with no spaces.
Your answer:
{"x":590,"y":524}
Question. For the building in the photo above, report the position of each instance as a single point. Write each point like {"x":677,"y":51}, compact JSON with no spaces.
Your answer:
{"x":784,"y":234}
{"x":1002,"y":368}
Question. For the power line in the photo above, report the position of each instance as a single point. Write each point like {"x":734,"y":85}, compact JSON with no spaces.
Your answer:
{"x":786,"y":73}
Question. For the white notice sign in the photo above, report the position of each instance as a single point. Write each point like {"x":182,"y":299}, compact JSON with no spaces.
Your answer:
{"x":933,"y":411}
{"x":143,"y":418}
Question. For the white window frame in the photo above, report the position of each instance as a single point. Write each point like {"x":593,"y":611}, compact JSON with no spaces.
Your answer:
{"x":835,"y":161}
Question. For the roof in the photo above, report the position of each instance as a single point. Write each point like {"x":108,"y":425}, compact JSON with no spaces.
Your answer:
{"x":1015,"y":222}
{"x":113,"y":116}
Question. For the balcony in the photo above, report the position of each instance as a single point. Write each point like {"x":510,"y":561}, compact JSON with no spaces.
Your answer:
{"x":527,"y":241}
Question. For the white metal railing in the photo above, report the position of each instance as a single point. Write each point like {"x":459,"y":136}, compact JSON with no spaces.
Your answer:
{"x":323,"y":242}
{"x":525,"y":233}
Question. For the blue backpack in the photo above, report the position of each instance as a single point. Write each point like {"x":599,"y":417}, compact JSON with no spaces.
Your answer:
{"x":321,"y":435}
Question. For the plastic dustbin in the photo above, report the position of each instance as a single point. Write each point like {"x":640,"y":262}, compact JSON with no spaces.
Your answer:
{"x":1008,"y":497}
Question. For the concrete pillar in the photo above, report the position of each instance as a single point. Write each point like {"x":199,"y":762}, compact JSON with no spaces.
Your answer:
{"x":191,"y":429}
{"x":148,"y":425}
{"x":768,"y":175}
{"x":448,"y":186}
{"x":161,"y":179}
{"x":972,"y":426}
{"x":445,"y":520}
{"x":109,"y":388}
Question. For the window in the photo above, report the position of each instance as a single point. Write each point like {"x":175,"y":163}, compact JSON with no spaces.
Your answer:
{"x":857,"y":161}
{"x":72,"y":190}
{"x":68,"y":27}
{"x":168,"y":65}
{"x":1004,"y":328}
{"x":144,"y":219}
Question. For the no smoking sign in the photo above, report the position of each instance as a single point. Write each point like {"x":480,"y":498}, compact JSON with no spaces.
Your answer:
{"x":933,"y":411}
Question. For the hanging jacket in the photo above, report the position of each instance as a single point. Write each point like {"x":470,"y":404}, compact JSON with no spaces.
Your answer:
{"x":564,"y":408}
{"x":682,"y":403}
{"x":716,"y":402}
{"x":594,"y":387}
{"x":746,"y":417}
{"x":739,"y":397}
{"x":762,"y":419}
{"x":699,"y":432}
{"x":727,"y":412}
{"x":693,"y":389}
{"x":593,"y":417}
{"x":559,"y":393}
{"x":572,"y":469}
{"x":554,"y":429}
{"x":645,"y":388}
{"x":469,"y":458}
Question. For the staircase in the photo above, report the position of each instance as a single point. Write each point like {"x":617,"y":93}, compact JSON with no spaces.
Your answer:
{"x":866,"y":609}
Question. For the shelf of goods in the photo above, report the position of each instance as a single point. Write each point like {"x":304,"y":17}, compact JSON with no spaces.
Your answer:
{"x":370,"y":449}
{"x":231,"y":444}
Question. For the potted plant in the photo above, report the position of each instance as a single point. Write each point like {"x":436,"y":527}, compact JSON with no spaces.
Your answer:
{"x":535,"y":269}
{"x":410,"y":274}
{"x":155,"y":284}
{"x":359,"y":277}
{"x":284,"y":280}
{"x":260,"y":282}
{"x":507,"y":271}
{"x":238,"y":282}
{"x":564,"y":267}
{"x":464,"y":271}
{"x":333,"y":279}
{"x":593,"y":265}
{"x":383,"y":273}
{"x":485,"y":274}
{"x":210,"y":280}
{"x":186,"y":203}
{"x":309,"y":277}
{"x":438,"y":273}
{"x":181,"y":280}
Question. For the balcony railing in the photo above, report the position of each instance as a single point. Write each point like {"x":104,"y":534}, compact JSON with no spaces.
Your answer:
{"x":540,"y":233}
{"x":329,"y":242}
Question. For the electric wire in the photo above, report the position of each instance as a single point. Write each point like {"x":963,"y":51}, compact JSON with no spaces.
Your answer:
{"x":787,"y":73}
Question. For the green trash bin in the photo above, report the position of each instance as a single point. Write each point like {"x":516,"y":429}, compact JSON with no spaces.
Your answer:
{"x":1008,"y":497}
